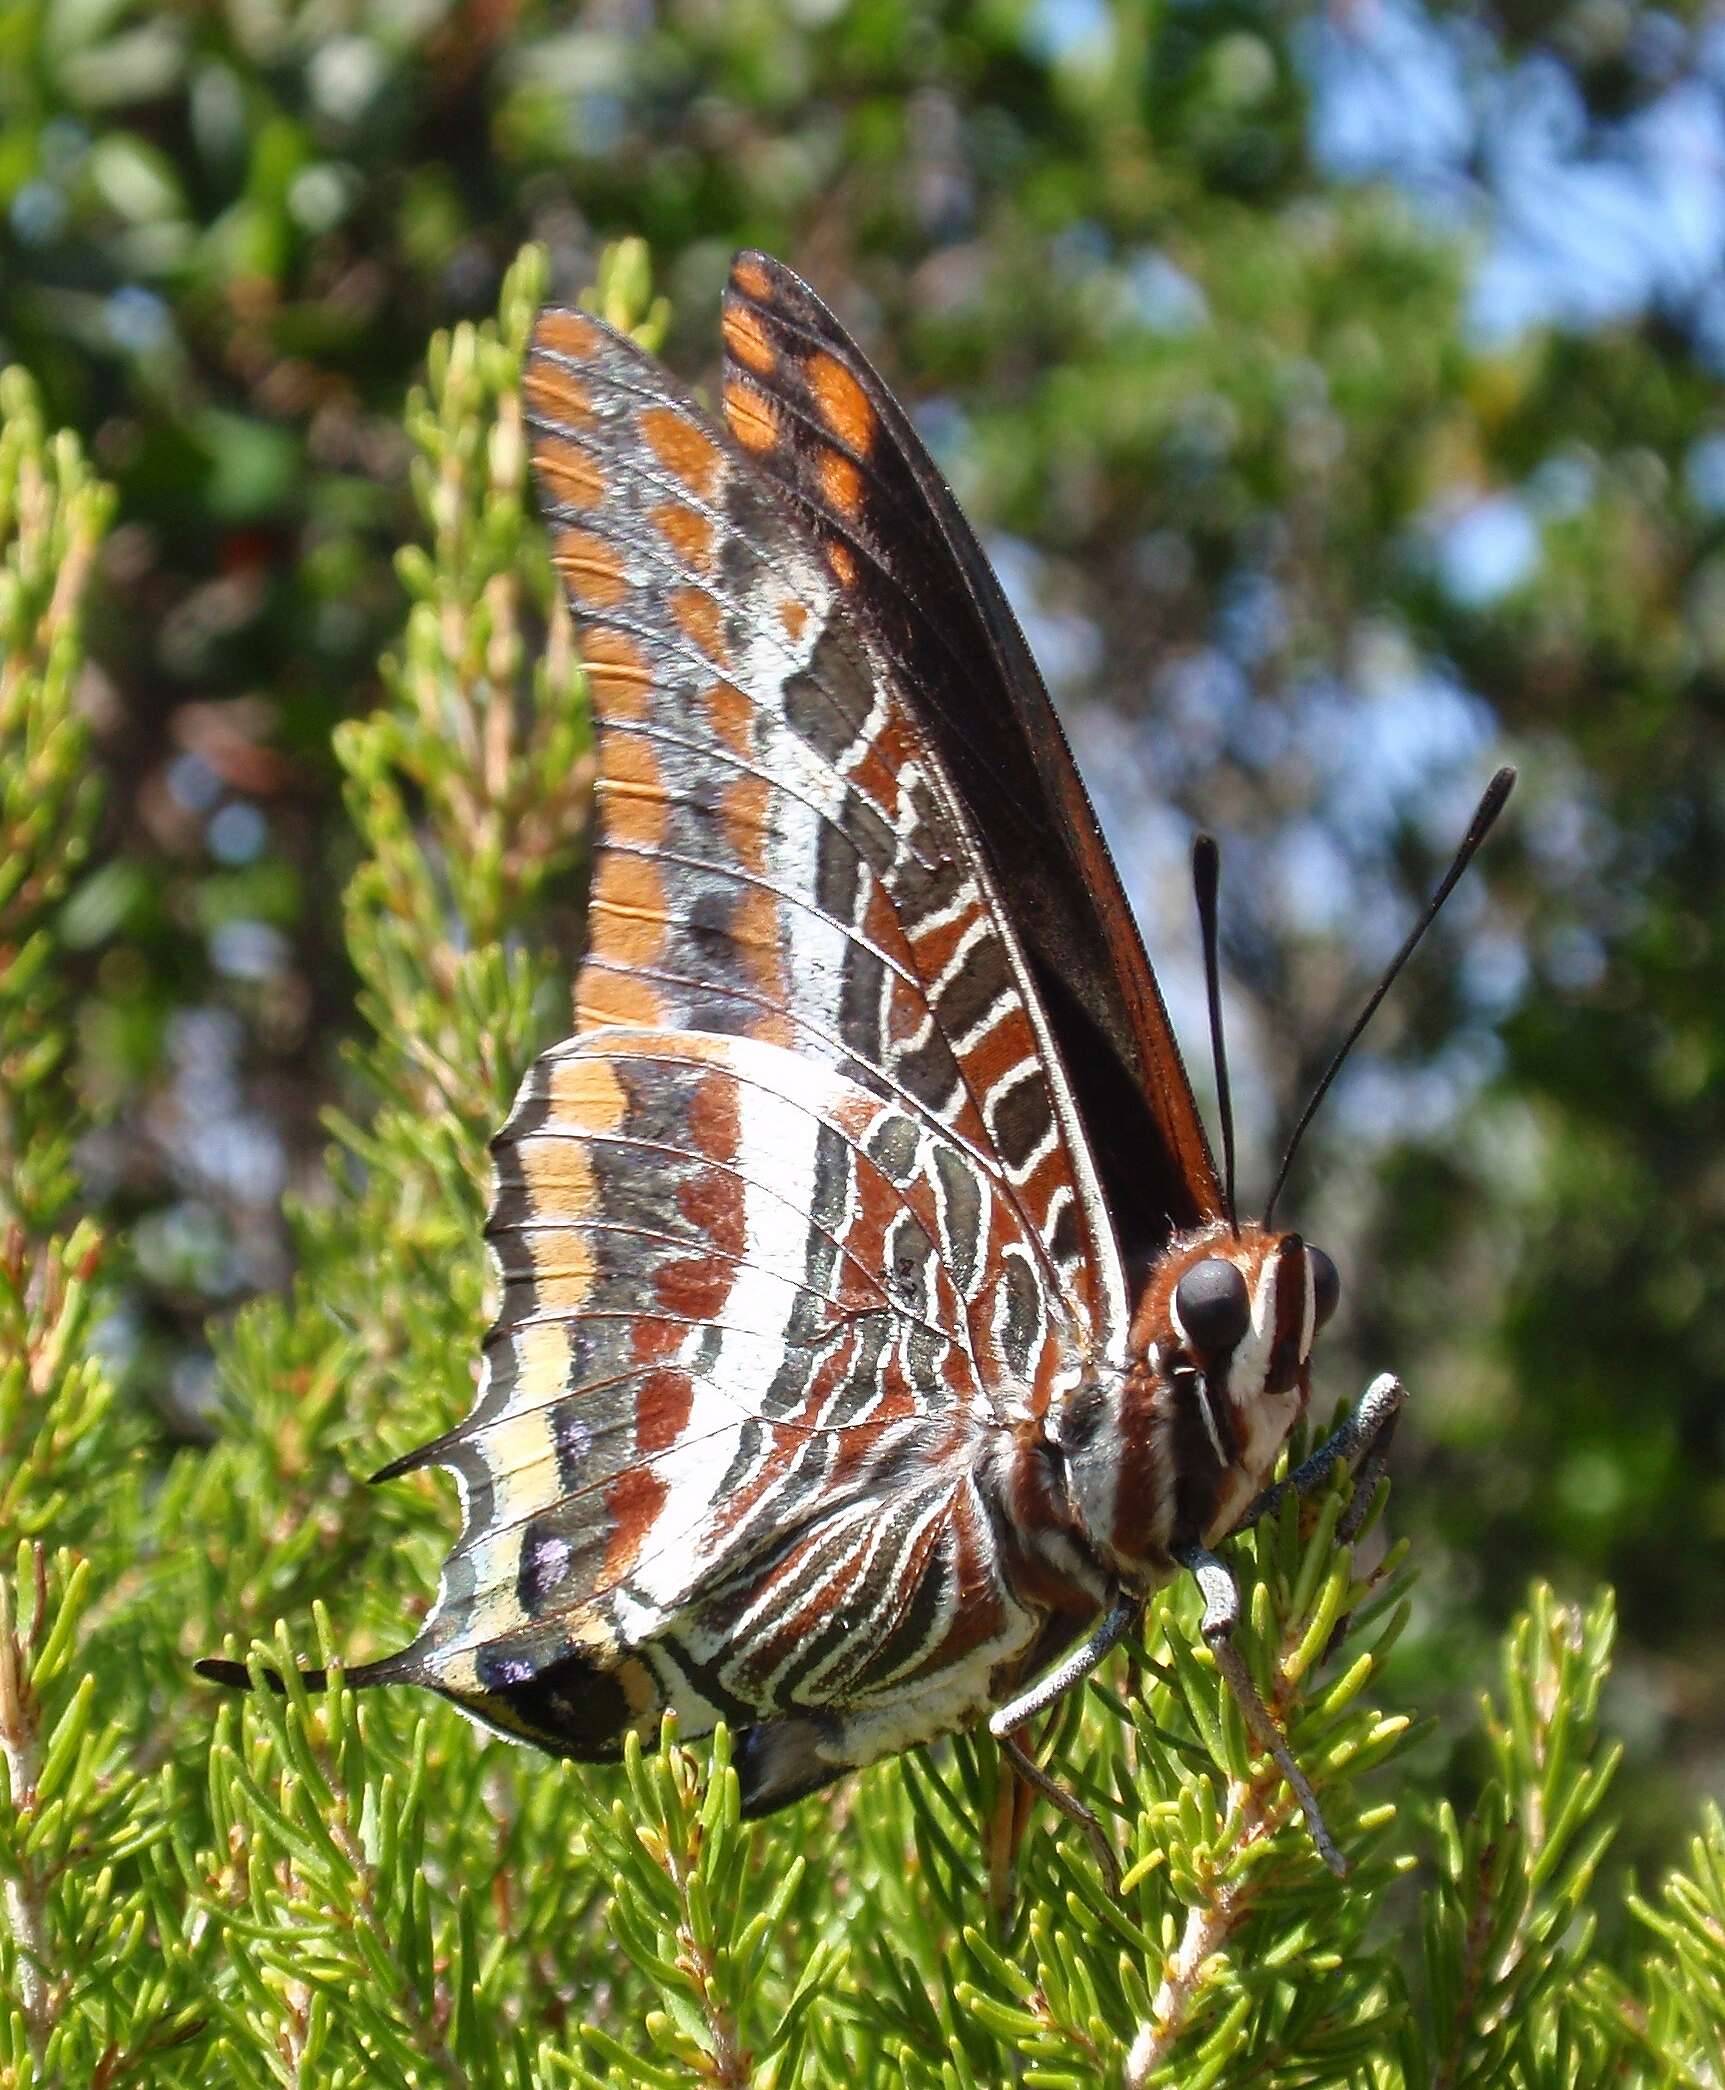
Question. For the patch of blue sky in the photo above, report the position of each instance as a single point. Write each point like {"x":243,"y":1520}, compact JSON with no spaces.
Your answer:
{"x":1162,"y":297}
{"x":1379,"y":1103}
{"x":1572,"y":958}
{"x":1583,"y":223}
{"x":196,"y":1385}
{"x":1485,"y":550}
{"x":1530,"y":115}
{"x":1252,"y":618}
{"x":1494,"y":971}
{"x":217,"y":1146}
{"x":1315,"y":883}
{"x":943,"y":425}
{"x":1080,"y":248}
{"x":1403,"y":741}
{"x":1588,"y":239}
{"x":1273,"y":732}
{"x":1400,"y":740}
{"x":234,"y":1153}
{"x":38,"y":213}
{"x":1397,"y":721}
{"x":248,"y":950}
{"x":1707,"y":325}
{"x":1677,"y":147}
{"x":1200,"y":698}
{"x":237,"y":832}
{"x":1064,"y":29}
{"x":137,"y":320}
{"x":1704,"y":473}
{"x":192,"y":783}
{"x":1391,"y":94}
{"x":1563,"y":485}
{"x":1564,"y":830}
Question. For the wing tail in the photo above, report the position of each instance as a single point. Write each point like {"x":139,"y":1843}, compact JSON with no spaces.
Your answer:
{"x":236,"y":1676}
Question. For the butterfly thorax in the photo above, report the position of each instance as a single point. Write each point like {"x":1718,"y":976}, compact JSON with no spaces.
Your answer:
{"x":1170,"y":1451}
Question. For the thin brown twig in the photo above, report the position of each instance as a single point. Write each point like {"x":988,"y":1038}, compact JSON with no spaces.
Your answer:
{"x":732,"y":2065}
{"x":1473,"y":1969}
{"x":1212,"y":1921}
{"x":1209,"y":1926}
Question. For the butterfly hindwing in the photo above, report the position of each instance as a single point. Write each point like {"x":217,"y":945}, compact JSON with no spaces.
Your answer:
{"x":803,"y":399}
{"x":747,"y":1337}
{"x":801,"y":1221}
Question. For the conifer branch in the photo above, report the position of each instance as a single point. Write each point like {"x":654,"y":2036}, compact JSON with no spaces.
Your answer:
{"x":301,"y":1835}
{"x":1257,"y":1804}
{"x":1209,"y":1925}
{"x":335,"y":1892}
{"x":1507,"y":1920}
{"x":53,"y":514}
{"x":26,"y":1912}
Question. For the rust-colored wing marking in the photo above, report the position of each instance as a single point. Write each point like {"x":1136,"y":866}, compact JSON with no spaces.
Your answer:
{"x":803,"y":399}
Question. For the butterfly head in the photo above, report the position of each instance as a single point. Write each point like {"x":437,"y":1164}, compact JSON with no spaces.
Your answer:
{"x":1225,"y":1328}
{"x":1221,"y":1352}
{"x":1238,"y":1311}
{"x":1222,"y":1338}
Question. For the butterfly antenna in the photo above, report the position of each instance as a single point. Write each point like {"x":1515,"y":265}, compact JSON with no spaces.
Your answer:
{"x":1206,"y":882}
{"x":1484,"y":819}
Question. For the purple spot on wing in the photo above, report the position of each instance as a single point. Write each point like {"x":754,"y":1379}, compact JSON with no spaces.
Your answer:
{"x":572,"y":1438}
{"x":503,"y":1670}
{"x":544,"y":1564}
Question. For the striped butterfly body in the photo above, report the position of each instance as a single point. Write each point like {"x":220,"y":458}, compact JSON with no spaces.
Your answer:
{"x":875,"y":1327}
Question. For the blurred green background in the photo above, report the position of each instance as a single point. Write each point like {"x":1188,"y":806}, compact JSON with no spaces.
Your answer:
{"x":1339,"y":390}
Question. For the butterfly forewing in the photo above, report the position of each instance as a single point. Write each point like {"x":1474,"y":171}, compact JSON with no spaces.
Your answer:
{"x":776,"y":855}
{"x":801,"y":1220}
{"x":804,"y":401}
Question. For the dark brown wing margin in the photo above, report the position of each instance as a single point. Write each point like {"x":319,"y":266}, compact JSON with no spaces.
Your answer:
{"x":803,"y":400}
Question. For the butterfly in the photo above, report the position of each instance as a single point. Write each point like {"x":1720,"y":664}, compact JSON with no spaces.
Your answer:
{"x":876,"y":1328}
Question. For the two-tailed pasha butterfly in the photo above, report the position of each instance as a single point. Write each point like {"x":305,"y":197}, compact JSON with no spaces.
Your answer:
{"x":876,"y":1328}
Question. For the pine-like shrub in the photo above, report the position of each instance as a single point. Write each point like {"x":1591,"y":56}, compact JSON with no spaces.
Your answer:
{"x":315,"y":1890}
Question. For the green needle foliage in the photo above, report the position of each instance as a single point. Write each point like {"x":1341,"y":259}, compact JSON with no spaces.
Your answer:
{"x":338,"y":1890}
{"x":52,"y":517}
{"x":1508,"y":1922}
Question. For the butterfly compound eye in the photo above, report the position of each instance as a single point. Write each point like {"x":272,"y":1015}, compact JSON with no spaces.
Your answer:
{"x":1212,"y":1304}
{"x":1326,"y":1285}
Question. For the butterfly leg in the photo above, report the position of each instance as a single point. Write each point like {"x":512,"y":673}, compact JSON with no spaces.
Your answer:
{"x":1221,"y":1616}
{"x":1004,"y":1725}
{"x":1085,"y":1657}
{"x":1366,"y":1435}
